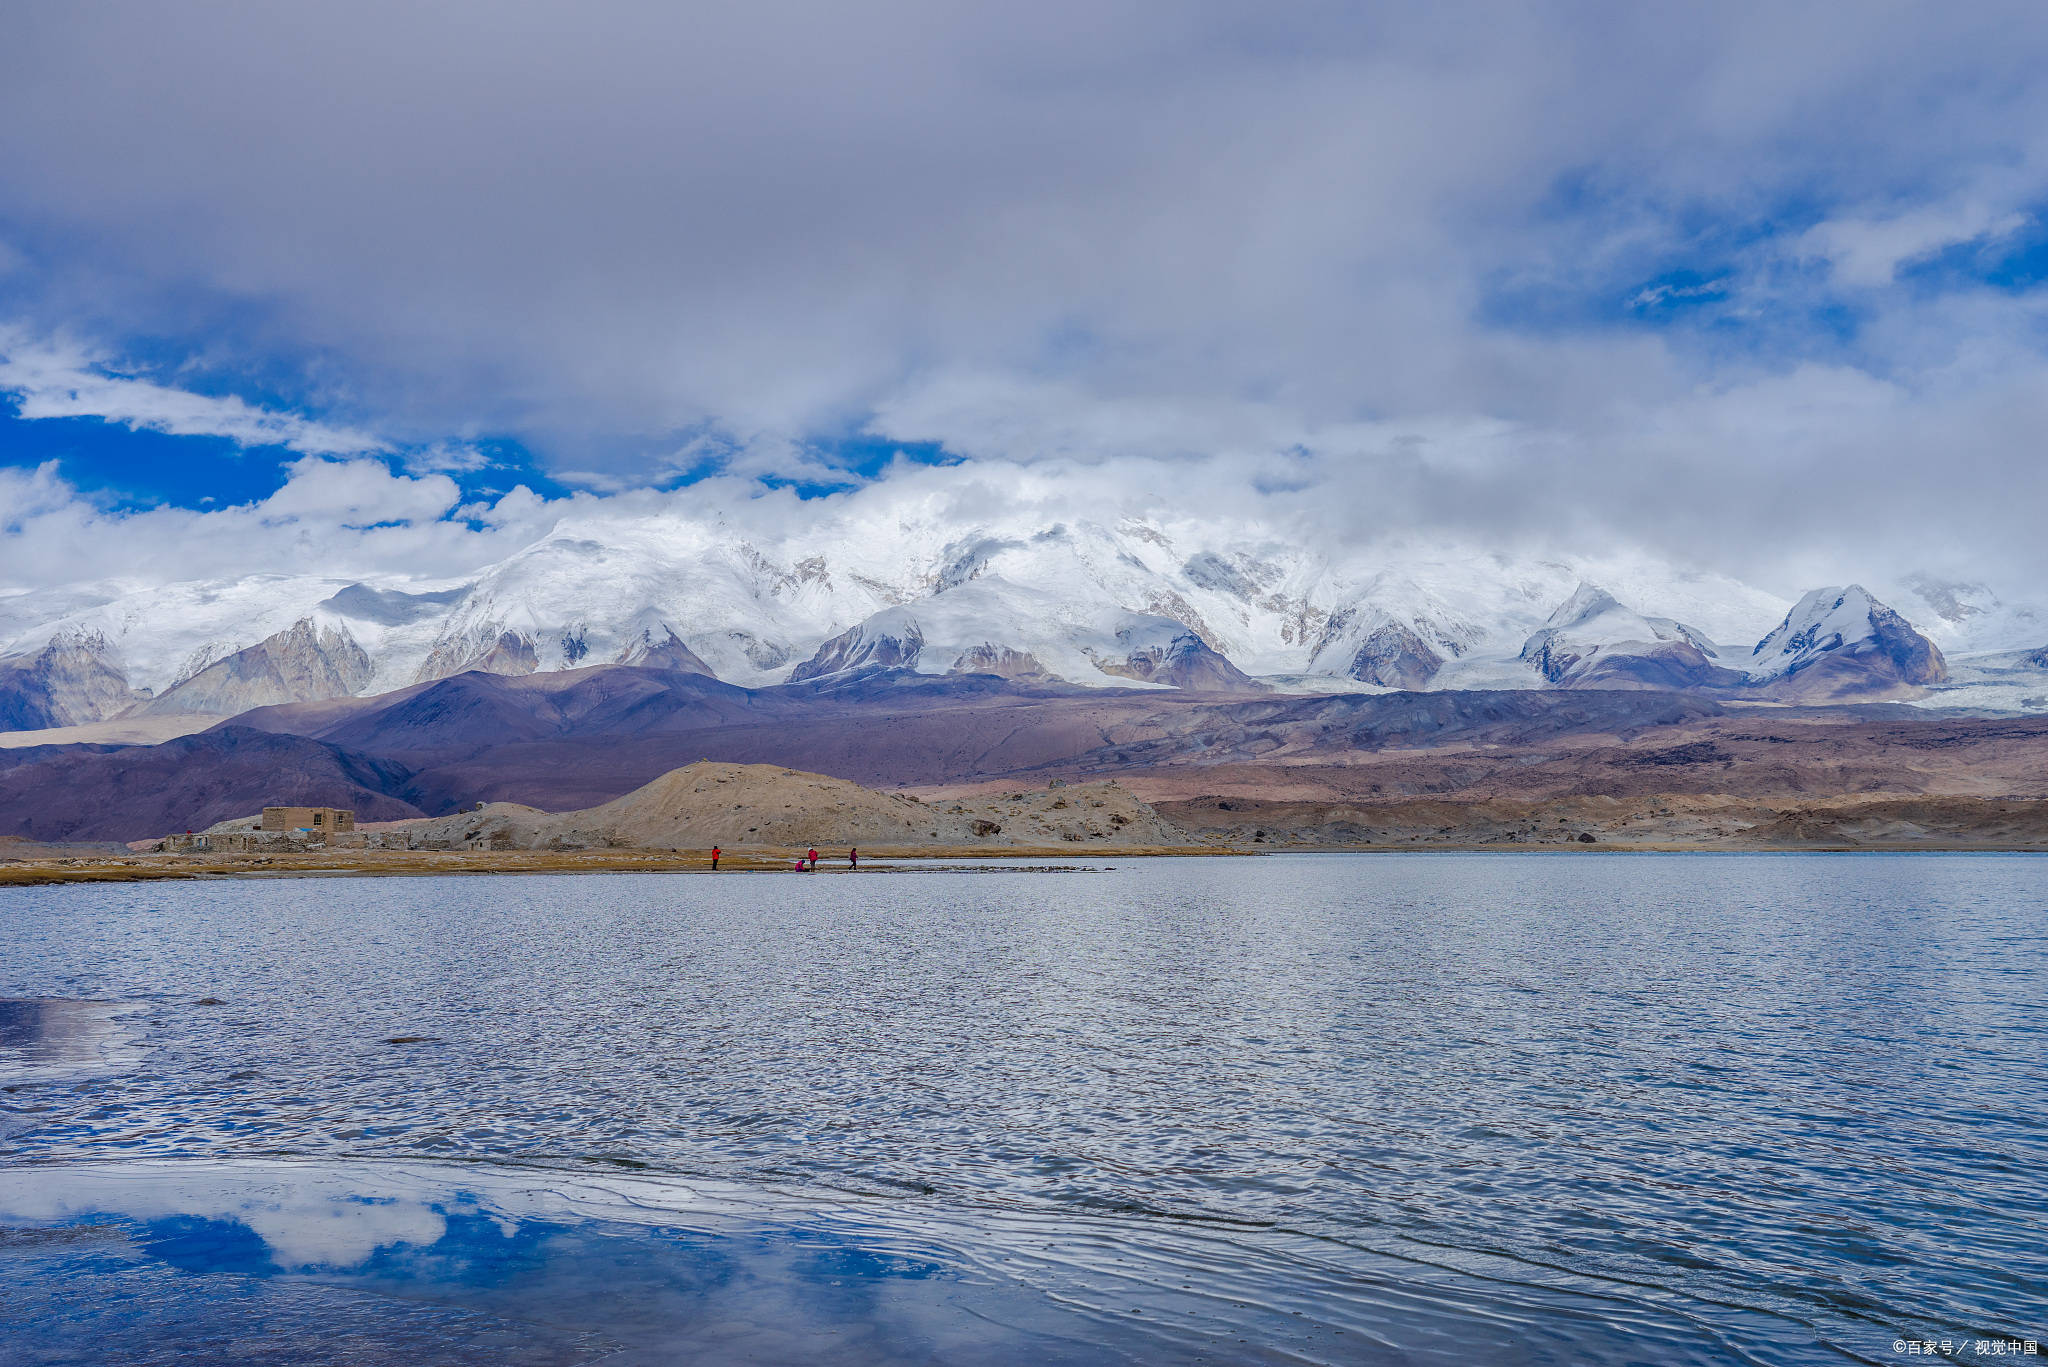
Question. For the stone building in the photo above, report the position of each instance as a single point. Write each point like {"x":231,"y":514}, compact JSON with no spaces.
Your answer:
{"x":229,"y":842}
{"x":321,"y":821}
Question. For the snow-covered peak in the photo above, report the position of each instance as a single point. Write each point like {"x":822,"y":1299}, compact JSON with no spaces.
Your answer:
{"x":80,"y":638}
{"x":572,"y":599}
{"x":1839,"y":625}
{"x":991,"y":625}
{"x":1587,"y":603}
{"x":1593,"y":637}
{"x":1821,"y":621}
{"x":1594,"y":615}
{"x":1394,"y":633}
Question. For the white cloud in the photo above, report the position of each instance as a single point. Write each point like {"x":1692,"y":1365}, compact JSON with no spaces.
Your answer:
{"x":1655,"y":295}
{"x":60,"y":379}
{"x":357,"y":494}
{"x":1867,"y":253}
{"x":453,"y":458}
{"x":352,"y":518}
{"x":518,"y":507}
{"x":599,"y":481}
{"x":29,"y":494}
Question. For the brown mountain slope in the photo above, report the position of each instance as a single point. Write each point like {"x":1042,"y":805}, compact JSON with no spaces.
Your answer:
{"x":75,"y":792}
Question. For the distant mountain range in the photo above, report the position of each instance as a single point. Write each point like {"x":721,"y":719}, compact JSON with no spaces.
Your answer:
{"x":563,"y":740}
{"x":1134,"y":604}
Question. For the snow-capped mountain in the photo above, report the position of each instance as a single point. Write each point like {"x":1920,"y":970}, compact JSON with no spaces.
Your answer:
{"x":1841,"y":642}
{"x":1395,"y":634}
{"x":603,"y":596}
{"x":161,"y":634}
{"x":1965,"y":618}
{"x":989,"y":625}
{"x":1836,"y":644}
{"x":1114,"y":604}
{"x":1593,"y":641}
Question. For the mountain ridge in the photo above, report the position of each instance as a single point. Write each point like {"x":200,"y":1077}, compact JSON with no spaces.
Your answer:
{"x":1089,"y":603}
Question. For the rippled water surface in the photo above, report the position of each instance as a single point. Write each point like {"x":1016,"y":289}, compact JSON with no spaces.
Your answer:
{"x":1300,"y":1108}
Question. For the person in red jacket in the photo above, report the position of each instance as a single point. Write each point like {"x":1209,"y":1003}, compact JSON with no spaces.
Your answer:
{"x":814,"y":860}
{"x":715,"y":852}
{"x":853,"y":859}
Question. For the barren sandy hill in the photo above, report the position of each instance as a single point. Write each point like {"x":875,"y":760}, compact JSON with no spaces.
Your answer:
{"x":123,"y":730}
{"x":742,"y":805}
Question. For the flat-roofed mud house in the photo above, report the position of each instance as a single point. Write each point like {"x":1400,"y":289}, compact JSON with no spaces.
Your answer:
{"x":318,"y":820}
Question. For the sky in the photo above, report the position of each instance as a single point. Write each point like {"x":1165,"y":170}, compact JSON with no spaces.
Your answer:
{"x":386,"y":288}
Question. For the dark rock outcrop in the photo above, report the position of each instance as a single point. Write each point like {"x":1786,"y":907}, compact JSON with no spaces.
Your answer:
{"x":496,"y":651}
{"x":665,"y":650}
{"x":1184,"y":661}
{"x":474,"y":712}
{"x":1000,"y":661}
{"x":1392,"y":656}
{"x":511,"y":654}
{"x":579,"y":738}
{"x":881,"y":642}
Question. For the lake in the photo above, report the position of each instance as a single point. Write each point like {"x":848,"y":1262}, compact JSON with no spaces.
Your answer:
{"x":1324,"y":1109}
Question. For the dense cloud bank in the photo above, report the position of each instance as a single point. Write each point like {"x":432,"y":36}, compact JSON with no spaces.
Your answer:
{"x":357,"y":519}
{"x":1746,"y":284}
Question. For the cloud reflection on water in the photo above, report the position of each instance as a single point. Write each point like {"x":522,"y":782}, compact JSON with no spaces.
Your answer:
{"x":561,"y":1259}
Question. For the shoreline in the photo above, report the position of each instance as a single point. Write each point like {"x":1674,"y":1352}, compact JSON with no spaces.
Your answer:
{"x":143,"y":868}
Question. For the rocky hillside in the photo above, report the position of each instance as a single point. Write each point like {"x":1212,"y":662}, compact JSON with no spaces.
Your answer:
{"x":71,"y":680}
{"x":301,"y":664}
